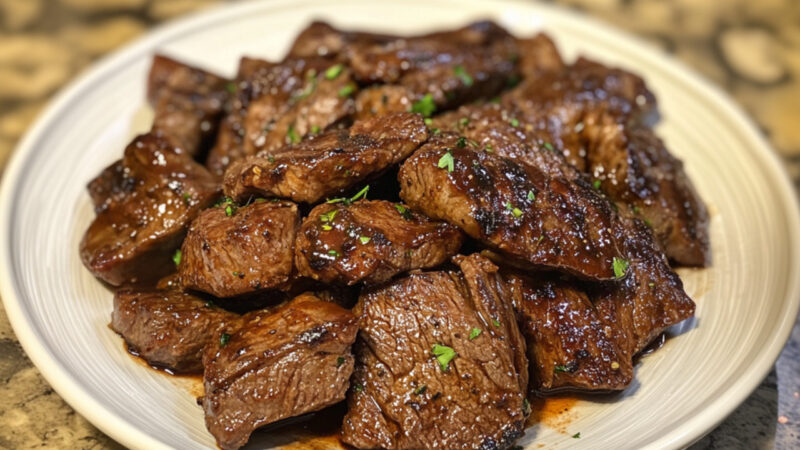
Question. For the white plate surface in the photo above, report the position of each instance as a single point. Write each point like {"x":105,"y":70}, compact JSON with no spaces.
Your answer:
{"x":746,"y":303}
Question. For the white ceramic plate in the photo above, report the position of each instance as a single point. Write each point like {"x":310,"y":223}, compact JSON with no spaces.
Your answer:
{"x":746,"y":303}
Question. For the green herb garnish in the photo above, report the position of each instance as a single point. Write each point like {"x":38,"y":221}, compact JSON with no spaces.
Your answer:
{"x":444,"y":355}
{"x":292,"y":135}
{"x":560,"y":369}
{"x":231,"y":87}
{"x":475,"y":332}
{"x":328,"y":216}
{"x":496,"y":322}
{"x":364,"y":239}
{"x":176,"y":257}
{"x":223,"y":339}
{"x":348,"y":201}
{"x":333,"y":253}
{"x":347,"y":90}
{"x":620,"y":267}
{"x":514,"y":210}
{"x":461,"y":142}
{"x":549,"y":146}
{"x":447,"y":161}
{"x":463,"y":75}
{"x":333,"y":71}
{"x":339,"y":361}
{"x":531,"y":196}
{"x":420,"y":390}
{"x":358,"y":388}
{"x":403,"y":211}
{"x":315,"y":129}
{"x":576,"y":435}
{"x":514,"y":122}
{"x":596,"y":184}
{"x":424,"y":106}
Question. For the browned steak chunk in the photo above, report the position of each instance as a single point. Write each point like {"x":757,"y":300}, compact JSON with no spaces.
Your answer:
{"x":537,"y":55}
{"x":440,"y":363}
{"x":169,"y":329}
{"x":133,"y":240}
{"x":649,"y":298}
{"x":452,"y":67}
{"x":280,"y":103}
{"x":188,"y":103}
{"x":370,"y":241}
{"x":322,"y":39}
{"x":110,"y":186}
{"x":329,"y":163}
{"x":569,"y":345}
{"x":231,"y":251}
{"x":531,"y":213}
{"x":280,"y":363}
{"x":635,"y":169}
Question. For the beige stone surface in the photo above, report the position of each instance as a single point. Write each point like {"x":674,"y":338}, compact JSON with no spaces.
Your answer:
{"x":100,"y":38}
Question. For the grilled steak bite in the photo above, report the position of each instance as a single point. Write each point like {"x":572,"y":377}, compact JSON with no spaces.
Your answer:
{"x":569,"y":345}
{"x":649,"y":297}
{"x":329,"y":163}
{"x":169,"y":329}
{"x":370,"y":241}
{"x":538,"y":54}
{"x":280,"y":363}
{"x":231,"y":251}
{"x":133,"y":240}
{"x":440,"y":363}
{"x":532,"y":214}
{"x":635,"y":169}
{"x":188,"y":103}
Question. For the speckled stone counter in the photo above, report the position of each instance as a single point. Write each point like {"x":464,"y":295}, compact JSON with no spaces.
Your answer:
{"x":749,"y":48}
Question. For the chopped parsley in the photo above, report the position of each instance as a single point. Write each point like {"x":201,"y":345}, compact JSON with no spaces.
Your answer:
{"x":526,"y":406}
{"x":428,"y":121}
{"x":514,"y":122}
{"x":326,"y":227}
{"x":495,"y":322}
{"x":560,"y":369}
{"x":186,"y":197}
{"x":636,"y":210}
{"x":223,"y":339}
{"x":514,"y":210}
{"x":339,"y":361}
{"x":424,"y":106}
{"x":651,"y":284}
{"x":549,"y":146}
{"x":358,"y":388}
{"x":463,"y":75}
{"x":347,"y":90}
{"x":531,"y":196}
{"x":328,"y":216}
{"x":333,"y":71}
{"x":447,"y":161}
{"x":271,"y":159}
{"x":364,"y":239}
{"x":333,"y":253}
{"x":176,"y":258}
{"x":474,"y":333}
{"x":420,"y":390}
{"x":596,"y":184}
{"x":403,"y":211}
{"x":292,"y":135}
{"x":464,"y":121}
{"x":231,"y":87}
{"x":576,"y":435}
{"x":315,"y":129}
{"x":620,"y":267}
{"x":444,"y":355}
{"x":229,"y":210}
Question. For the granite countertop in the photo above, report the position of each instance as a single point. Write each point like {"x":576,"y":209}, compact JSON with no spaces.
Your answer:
{"x":749,"y":48}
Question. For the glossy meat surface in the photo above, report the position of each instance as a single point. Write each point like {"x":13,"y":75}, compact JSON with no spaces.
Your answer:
{"x":531,"y":213}
{"x":110,"y":186}
{"x":329,"y":163}
{"x":406,"y":397}
{"x":370,"y":241}
{"x":280,"y":103}
{"x":188,"y":103}
{"x":133,"y":240}
{"x":169,"y":329}
{"x":279,"y":363}
{"x":232,"y":250}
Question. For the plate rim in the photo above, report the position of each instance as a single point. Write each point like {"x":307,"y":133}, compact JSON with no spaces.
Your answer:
{"x":131,"y":436}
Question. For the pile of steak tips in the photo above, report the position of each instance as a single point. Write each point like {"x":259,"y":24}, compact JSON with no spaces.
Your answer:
{"x":431,"y":229}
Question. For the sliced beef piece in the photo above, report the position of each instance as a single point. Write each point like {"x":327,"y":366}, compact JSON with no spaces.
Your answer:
{"x":320,"y":39}
{"x":329,"y":163}
{"x":569,"y":344}
{"x":231,"y":251}
{"x":635,"y":169}
{"x":440,"y":363}
{"x":110,"y":186}
{"x":229,"y":145}
{"x":370,"y":241}
{"x":133,"y":240}
{"x":280,"y":363}
{"x":649,"y":298}
{"x":453,"y":67}
{"x":534,"y":214}
{"x":188,"y":103}
{"x":537,"y":55}
{"x":169,"y":329}
{"x":294,"y":99}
